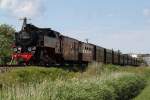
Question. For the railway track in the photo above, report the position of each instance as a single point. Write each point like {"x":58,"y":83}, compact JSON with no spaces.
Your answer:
{"x":12,"y":66}
{"x":5,"y":68}
{"x":73,"y":67}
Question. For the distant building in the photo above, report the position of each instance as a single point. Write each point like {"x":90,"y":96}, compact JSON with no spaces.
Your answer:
{"x":134,"y":55}
{"x":146,"y":58}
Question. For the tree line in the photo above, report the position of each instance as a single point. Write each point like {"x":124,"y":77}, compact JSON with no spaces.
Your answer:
{"x":6,"y":40}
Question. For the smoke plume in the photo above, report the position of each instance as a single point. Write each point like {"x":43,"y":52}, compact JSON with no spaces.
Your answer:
{"x":22,"y":8}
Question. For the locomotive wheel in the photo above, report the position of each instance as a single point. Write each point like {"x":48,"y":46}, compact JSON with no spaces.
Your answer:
{"x":45,"y":59}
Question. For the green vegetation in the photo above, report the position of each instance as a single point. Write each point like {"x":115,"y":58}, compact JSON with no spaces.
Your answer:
{"x":145,"y":94}
{"x":98,"y":82}
{"x":87,"y":89}
{"x":34,"y":75}
{"x":6,"y":39}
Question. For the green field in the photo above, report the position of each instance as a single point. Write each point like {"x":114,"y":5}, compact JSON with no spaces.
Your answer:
{"x":98,"y":82}
{"x":145,"y":94}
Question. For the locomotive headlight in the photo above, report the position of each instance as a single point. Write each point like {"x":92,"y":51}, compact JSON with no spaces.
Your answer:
{"x":29,"y":49}
{"x":15,"y":49}
{"x":19,"y":48}
{"x":34,"y":48}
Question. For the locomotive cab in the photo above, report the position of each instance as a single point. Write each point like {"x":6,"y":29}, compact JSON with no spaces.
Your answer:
{"x":49,"y":46}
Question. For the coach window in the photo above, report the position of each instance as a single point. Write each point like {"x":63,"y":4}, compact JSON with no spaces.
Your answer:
{"x":71,"y":46}
{"x":74,"y":45}
{"x":85,"y":49}
{"x":80,"y":50}
{"x":90,"y":50}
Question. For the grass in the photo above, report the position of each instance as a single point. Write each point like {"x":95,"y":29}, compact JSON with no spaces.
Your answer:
{"x":145,"y":93}
{"x":105,"y":88}
{"x":34,"y":74}
{"x":98,"y":82}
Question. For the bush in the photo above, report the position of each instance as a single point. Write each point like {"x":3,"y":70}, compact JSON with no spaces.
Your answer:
{"x":5,"y":60}
{"x":127,"y":86}
{"x":34,"y":74}
{"x":117,"y":86}
{"x":123,"y":86}
{"x":100,"y":69}
{"x":57,"y":84}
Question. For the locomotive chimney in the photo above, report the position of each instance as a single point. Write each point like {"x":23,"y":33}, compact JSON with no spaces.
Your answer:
{"x":24,"y":22}
{"x":87,"y":40}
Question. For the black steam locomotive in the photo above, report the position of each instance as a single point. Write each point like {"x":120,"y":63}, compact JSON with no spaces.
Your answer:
{"x":44,"y":46}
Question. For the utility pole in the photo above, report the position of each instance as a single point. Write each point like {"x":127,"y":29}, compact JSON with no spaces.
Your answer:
{"x":87,"y":40}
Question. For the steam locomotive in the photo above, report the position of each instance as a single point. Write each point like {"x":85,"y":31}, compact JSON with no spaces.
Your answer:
{"x":44,"y":46}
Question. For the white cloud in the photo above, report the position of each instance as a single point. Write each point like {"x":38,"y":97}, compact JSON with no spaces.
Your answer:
{"x":146,"y":12}
{"x":21,"y":8}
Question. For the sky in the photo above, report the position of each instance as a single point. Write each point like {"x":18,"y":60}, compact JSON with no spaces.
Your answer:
{"x":113,"y":24}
